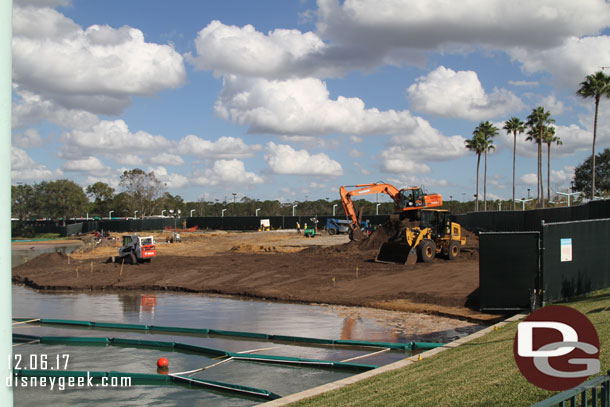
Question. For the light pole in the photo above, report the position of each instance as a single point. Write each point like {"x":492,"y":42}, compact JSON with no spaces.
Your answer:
{"x":334,"y":206}
{"x":523,"y":201}
{"x":256,"y":212}
{"x":377,"y":209}
{"x":568,"y":194}
{"x":234,"y":195}
{"x":110,"y":215}
{"x":528,"y":193}
{"x":192,"y":210}
{"x":294,"y":206}
{"x":222,"y":213}
{"x":135,"y":214}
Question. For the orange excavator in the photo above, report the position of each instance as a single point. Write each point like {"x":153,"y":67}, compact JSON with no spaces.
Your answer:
{"x":405,"y":200}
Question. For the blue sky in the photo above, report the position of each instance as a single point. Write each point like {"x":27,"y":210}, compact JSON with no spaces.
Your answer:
{"x":289,"y":100}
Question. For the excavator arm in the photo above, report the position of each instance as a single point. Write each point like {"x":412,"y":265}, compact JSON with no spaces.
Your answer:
{"x":404,"y":200}
{"x":364,"y":189}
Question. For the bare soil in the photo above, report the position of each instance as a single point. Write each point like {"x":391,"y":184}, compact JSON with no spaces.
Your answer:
{"x":274,"y":266}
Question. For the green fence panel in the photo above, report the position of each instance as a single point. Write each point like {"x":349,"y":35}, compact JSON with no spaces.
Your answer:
{"x":508,"y":269}
{"x":575,"y":258}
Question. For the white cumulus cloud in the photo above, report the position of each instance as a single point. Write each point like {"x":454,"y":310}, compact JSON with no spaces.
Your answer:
{"x":244,"y":51}
{"x":283,"y":159}
{"x":166,"y":159}
{"x":568,"y":62}
{"x":224,"y":147}
{"x":437,"y":23}
{"x":96,"y":69}
{"x":226,"y":172}
{"x":303,"y":107}
{"x":30,"y":138}
{"x":24,"y":168}
{"x":110,"y":136}
{"x":448,"y":93}
{"x":89,"y":164}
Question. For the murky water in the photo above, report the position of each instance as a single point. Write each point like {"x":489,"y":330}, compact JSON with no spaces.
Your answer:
{"x":200,"y":311}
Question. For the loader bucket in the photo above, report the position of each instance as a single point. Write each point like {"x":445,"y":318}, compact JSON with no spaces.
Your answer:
{"x":396,"y":252}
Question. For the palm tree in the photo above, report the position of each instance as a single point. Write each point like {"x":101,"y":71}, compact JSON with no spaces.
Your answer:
{"x":550,"y":138}
{"x":594,"y":86}
{"x":488,"y":131}
{"x":516,"y":126}
{"x":537,"y":121}
{"x":476,"y":144}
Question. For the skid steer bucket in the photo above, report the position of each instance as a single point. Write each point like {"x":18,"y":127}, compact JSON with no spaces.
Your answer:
{"x":396,"y":252}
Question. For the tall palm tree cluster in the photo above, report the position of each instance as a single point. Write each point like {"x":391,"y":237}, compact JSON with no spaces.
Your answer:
{"x":540,"y":130}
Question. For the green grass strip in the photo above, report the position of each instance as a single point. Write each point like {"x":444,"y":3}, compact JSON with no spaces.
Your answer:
{"x":479,"y":373}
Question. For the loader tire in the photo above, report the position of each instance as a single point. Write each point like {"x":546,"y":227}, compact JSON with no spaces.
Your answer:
{"x":453,"y":251}
{"x":426,"y":251}
{"x":131,"y":259}
{"x":332,"y":231}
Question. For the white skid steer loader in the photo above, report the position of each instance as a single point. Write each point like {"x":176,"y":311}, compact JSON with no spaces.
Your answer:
{"x":137,"y":249}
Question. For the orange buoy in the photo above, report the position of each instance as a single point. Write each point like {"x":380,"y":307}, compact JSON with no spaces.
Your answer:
{"x":162,"y":363}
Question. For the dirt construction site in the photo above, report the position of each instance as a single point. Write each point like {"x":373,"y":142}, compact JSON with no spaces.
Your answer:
{"x":271,"y":265}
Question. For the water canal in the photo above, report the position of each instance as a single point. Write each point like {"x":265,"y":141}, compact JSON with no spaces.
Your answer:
{"x":202,"y":311}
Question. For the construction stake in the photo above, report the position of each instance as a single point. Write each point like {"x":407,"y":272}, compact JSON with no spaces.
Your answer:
{"x":356,"y":271}
{"x":122,"y":262}
{"x":76,"y":271}
{"x":92,"y":266}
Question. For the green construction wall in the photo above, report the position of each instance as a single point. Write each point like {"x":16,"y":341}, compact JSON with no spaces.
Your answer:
{"x":589,"y":267}
{"x":508,"y":269}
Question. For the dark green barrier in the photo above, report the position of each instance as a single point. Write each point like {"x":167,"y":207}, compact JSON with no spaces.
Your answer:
{"x":515,"y":221}
{"x":575,"y":259}
{"x":508,"y":269}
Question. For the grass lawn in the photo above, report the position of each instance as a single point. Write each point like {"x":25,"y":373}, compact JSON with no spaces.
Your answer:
{"x":479,"y":373}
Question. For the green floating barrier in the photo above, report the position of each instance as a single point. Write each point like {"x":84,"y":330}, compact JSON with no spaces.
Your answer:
{"x":179,"y":330}
{"x":286,"y":338}
{"x":426,"y":345}
{"x":65,"y":322}
{"x":145,"y":378}
{"x":197,"y":349}
{"x":75,"y":340}
{"x":236,"y":333}
{"x":141,"y":342}
{"x":254,"y":335}
{"x":200,"y":349}
{"x":252,"y":391}
{"x":112,"y":325}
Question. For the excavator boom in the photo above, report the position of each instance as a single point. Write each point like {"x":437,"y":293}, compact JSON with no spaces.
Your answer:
{"x":405,"y":199}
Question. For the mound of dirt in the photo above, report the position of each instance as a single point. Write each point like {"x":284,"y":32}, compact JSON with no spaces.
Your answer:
{"x":253,"y":248}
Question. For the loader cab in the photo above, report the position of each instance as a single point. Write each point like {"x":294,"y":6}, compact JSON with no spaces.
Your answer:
{"x":127,"y":240}
{"x":410,"y":197}
{"x":438,"y":221}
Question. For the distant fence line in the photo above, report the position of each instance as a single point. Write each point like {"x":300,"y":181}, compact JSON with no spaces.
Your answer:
{"x":244,"y":223}
{"x":505,"y":221}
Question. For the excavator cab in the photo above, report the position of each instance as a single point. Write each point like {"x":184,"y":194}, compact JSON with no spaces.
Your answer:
{"x":410,"y":198}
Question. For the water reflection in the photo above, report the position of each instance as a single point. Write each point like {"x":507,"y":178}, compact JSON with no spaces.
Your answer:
{"x":200,"y":311}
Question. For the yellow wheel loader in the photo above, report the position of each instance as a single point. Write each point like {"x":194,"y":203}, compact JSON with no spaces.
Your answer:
{"x":435,"y":235}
